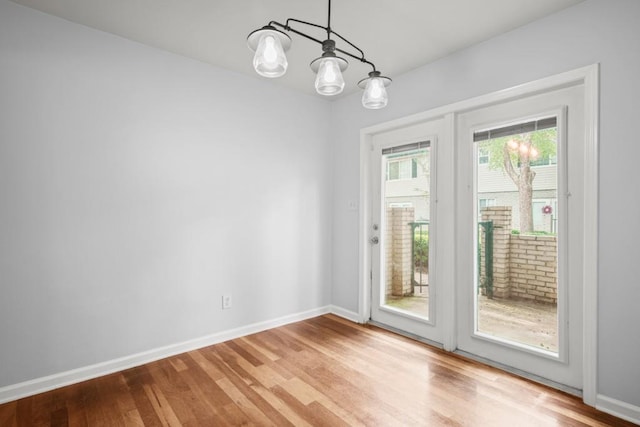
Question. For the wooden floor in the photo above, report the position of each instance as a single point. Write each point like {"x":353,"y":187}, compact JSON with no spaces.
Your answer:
{"x":322,"y":371}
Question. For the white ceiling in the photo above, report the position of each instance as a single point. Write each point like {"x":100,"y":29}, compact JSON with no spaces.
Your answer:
{"x":396,"y":35}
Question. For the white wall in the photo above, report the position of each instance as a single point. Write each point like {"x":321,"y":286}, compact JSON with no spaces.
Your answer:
{"x":137,"y":187}
{"x":596,"y":31}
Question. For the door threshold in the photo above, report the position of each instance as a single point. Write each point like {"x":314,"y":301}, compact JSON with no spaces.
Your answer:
{"x":405,"y":334}
{"x":535,"y":378}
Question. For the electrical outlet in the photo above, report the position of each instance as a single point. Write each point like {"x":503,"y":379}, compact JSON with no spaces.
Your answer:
{"x":226,"y":302}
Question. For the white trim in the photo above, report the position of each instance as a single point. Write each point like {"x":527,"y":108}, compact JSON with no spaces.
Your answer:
{"x":345,"y":314}
{"x":567,"y":78}
{"x":618,"y":408}
{"x":584,"y":74}
{"x":590,"y":254}
{"x":364,"y":261}
{"x":446,"y":270}
{"x":40,"y":385}
{"x":589,"y":76}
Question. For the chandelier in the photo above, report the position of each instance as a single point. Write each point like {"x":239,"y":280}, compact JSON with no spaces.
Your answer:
{"x":270,"y":44}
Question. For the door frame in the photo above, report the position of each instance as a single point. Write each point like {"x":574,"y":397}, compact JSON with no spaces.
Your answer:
{"x":588,"y":77}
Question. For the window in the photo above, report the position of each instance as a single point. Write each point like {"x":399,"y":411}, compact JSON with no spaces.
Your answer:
{"x":406,"y":168}
{"x":483,"y":156}
{"x":544,"y":161}
{"x":485,"y":203}
{"x":535,"y":140}
{"x":393,"y":170}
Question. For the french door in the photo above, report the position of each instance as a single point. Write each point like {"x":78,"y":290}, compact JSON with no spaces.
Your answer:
{"x":519,"y":234}
{"x":403,"y":229}
{"x":487,"y":210}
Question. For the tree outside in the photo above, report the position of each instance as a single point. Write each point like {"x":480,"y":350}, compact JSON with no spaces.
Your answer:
{"x":515,"y":155}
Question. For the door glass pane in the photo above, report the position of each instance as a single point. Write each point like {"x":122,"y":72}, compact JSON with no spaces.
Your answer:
{"x":406,"y":231}
{"x":516,"y":242}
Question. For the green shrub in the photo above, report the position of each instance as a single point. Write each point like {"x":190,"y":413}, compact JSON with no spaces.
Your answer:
{"x":421,"y":251}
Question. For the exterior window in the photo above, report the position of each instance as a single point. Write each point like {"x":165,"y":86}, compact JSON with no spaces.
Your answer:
{"x":545,"y":161}
{"x":402,"y":169}
{"x":485,"y":203}
{"x":393,"y":170}
{"x":483,"y":156}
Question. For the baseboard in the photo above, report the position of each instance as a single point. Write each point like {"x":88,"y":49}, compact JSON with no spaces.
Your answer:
{"x":40,"y":385}
{"x":344,"y":313}
{"x":620,"y":409}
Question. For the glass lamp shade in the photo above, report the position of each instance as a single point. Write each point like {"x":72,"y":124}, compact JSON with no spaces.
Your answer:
{"x":375,"y":94}
{"x":270,"y":60}
{"x":329,"y":79}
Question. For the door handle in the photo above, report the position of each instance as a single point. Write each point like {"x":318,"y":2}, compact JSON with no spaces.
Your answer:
{"x":374,"y":240}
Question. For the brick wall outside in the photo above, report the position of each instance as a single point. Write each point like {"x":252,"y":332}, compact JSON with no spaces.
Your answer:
{"x":524,"y":267}
{"x":399,"y":262}
{"x":534,"y":268}
{"x":501,"y":217}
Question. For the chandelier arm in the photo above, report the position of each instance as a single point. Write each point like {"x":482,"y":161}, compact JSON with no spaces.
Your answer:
{"x":306,"y":23}
{"x":350,"y":44}
{"x":300,"y":33}
{"x":358,"y":58}
{"x":287,"y":27}
{"x":344,"y":52}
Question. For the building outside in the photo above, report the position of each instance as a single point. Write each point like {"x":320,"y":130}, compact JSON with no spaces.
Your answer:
{"x":407,"y":181}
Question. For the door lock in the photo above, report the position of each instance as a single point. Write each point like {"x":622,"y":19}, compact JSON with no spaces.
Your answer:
{"x":374,"y":240}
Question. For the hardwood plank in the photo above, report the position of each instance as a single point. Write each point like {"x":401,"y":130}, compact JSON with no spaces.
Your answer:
{"x":376,"y":377}
{"x":136,"y":379}
{"x":109,"y":399}
{"x":60,"y":418}
{"x":243,"y":353}
{"x":24,"y":415}
{"x":313,"y":413}
{"x":259,"y":349}
{"x":8,"y":414}
{"x":75,"y":403}
{"x":161,"y":406}
{"x":249,"y":392}
{"x":321,"y":371}
{"x":244,"y":403}
{"x":309,"y":395}
{"x":209,"y":400}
